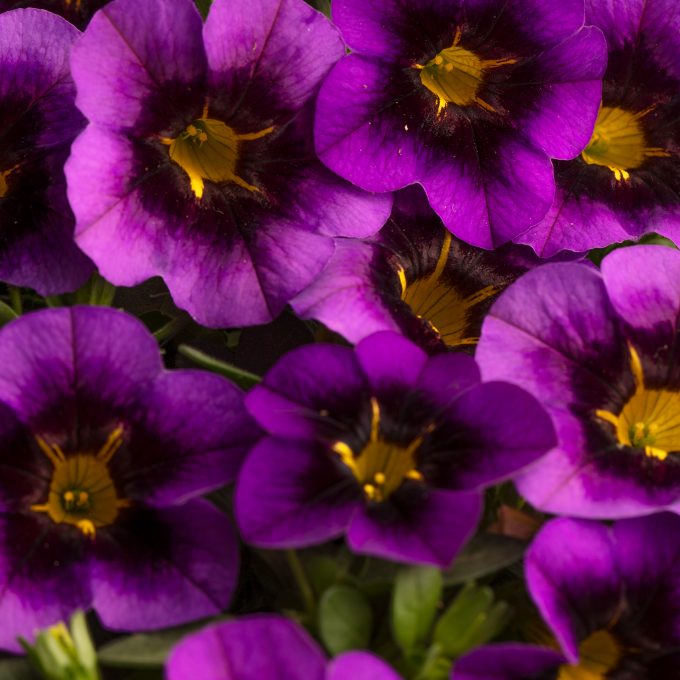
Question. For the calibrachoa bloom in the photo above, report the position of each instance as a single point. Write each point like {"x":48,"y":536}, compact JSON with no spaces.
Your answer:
{"x":103,"y":454}
{"x":266,"y":646}
{"x":627,"y":180}
{"x":39,"y":120}
{"x":600,"y":352}
{"x":78,"y":12}
{"x":384,"y":444}
{"x":414,"y":277}
{"x":611,"y":599}
{"x":198,"y":163}
{"x":469,"y":99}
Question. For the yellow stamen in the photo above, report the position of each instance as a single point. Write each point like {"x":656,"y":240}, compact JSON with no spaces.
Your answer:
{"x":82,"y":492}
{"x":381,"y":466}
{"x":111,"y":445}
{"x":208,"y":149}
{"x":650,"y":419}
{"x":439,"y":303}
{"x":456,"y":75}
{"x":619,"y":143}
{"x":599,"y":654}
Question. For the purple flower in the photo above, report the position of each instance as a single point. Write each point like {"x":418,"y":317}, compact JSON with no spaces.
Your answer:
{"x":414,"y":277}
{"x":610,"y":597}
{"x":103,"y":455}
{"x":78,"y":12}
{"x":39,"y":120}
{"x":600,"y":352}
{"x":266,"y":646}
{"x":469,"y":99}
{"x":384,"y":444}
{"x":627,"y":180}
{"x":198,"y":163}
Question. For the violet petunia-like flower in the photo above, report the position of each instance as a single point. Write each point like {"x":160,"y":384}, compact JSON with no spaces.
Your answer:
{"x":198,"y":163}
{"x":39,"y":120}
{"x":469,"y":99}
{"x":415,"y":278}
{"x":626,"y":182}
{"x":384,"y":444}
{"x":78,"y":12}
{"x":266,"y":646}
{"x":103,"y":455}
{"x":610,"y":597}
{"x":600,"y":352}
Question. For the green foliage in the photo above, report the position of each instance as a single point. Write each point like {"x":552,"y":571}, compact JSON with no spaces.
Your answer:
{"x":484,"y":555}
{"x":415,"y":598}
{"x":345,"y":619}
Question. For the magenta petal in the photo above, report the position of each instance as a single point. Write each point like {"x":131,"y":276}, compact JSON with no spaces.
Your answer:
{"x":191,"y":438}
{"x":290,"y":494}
{"x":92,"y":343}
{"x":389,"y":359}
{"x":291,"y":397}
{"x":429,"y":532}
{"x":573,"y":577}
{"x":164,"y":567}
{"x":264,"y":647}
{"x":269,"y":46}
{"x":360,"y":666}
{"x":44,"y":576}
{"x":507,"y":661}
{"x":568,"y":109}
{"x":134,"y":58}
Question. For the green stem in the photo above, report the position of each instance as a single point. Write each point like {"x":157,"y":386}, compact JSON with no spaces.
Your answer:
{"x":432,"y":657}
{"x":302,"y":582}
{"x":171,"y":329}
{"x":244,"y":379}
{"x":15,"y":299}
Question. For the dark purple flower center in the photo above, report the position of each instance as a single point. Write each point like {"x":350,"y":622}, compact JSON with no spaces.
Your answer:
{"x":209,"y":149}
{"x":381,"y":466}
{"x":436,"y":301}
{"x":456,"y":74}
{"x":82,"y":492}
{"x":619,"y":143}
{"x":650,"y":419}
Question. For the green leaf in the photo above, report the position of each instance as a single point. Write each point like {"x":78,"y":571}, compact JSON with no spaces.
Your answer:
{"x":242,"y":378}
{"x":472,"y":619}
{"x":415,"y":598}
{"x":203,"y":7}
{"x":484,"y":554}
{"x":145,"y":650}
{"x":345,"y":619}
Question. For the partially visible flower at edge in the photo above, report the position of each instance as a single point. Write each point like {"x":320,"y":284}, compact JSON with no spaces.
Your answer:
{"x":104,"y":454}
{"x":39,"y":120}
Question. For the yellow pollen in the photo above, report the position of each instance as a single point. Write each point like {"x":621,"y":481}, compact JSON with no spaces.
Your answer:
{"x":82,"y":492}
{"x":599,"y":654}
{"x":447,"y":310}
{"x":619,"y":143}
{"x":381,"y":466}
{"x":208,"y":149}
{"x":456,"y":75}
{"x":650,"y":419}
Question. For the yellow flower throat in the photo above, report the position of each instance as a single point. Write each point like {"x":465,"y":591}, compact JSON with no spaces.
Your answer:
{"x":650,"y":420}
{"x":4,"y":186}
{"x":82,"y":492}
{"x":439,"y":303}
{"x":619,"y":143}
{"x":456,"y":75}
{"x":381,"y":466}
{"x":208,"y":149}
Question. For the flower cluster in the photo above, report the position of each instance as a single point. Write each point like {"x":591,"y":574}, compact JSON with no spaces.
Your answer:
{"x":323,"y":316}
